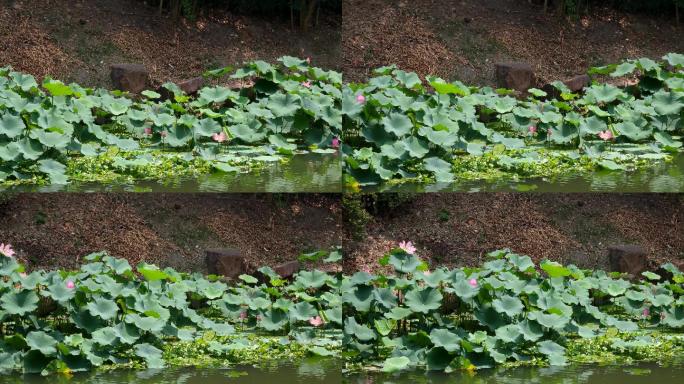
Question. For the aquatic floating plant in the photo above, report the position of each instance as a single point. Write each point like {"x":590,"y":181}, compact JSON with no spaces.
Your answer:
{"x":507,"y":311}
{"x":43,"y":128}
{"x":109,"y":313}
{"x":398,"y":127}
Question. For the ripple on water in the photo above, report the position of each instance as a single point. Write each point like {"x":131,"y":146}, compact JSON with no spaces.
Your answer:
{"x":311,"y":172}
{"x":571,"y":374}
{"x":309,"y":371}
{"x":661,"y":177}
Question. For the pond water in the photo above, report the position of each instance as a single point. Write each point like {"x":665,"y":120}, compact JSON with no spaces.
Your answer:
{"x":661,"y":177}
{"x":311,"y":172}
{"x":574,"y":374}
{"x":311,"y":371}
{"x":328,"y":371}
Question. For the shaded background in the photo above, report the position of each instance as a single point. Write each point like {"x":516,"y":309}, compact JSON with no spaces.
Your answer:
{"x":77,"y":40}
{"x":459,"y":229}
{"x":50,"y":230}
{"x":462,"y":39}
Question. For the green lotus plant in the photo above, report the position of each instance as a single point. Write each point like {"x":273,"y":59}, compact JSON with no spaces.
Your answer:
{"x":281,"y":110}
{"x":507,"y":310}
{"x":108,"y":312}
{"x":398,"y":127}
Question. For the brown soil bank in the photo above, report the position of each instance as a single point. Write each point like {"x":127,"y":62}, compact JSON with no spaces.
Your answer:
{"x":463,"y":39}
{"x":57,"y":230}
{"x":77,"y":40}
{"x":459,"y":229}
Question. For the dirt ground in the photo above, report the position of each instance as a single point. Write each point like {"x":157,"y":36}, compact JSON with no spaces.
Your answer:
{"x":77,"y":40}
{"x":459,"y":229}
{"x":56,"y":230}
{"x":50,"y":230}
{"x":462,"y":39}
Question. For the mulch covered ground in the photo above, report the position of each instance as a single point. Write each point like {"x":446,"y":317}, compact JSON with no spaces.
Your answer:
{"x":77,"y":40}
{"x":57,"y":230}
{"x":463,"y":39}
{"x":459,"y":229}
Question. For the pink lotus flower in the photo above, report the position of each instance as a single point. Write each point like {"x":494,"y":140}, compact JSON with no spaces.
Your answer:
{"x":219,"y":137}
{"x":163,"y":133}
{"x":361,"y":99}
{"x":606,"y":135}
{"x":473,"y":283}
{"x":306,"y":84}
{"x":308,"y":60}
{"x":6,"y":249}
{"x":408,"y":247}
{"x":549,"y":132}
{"x":646,"y":312}
{"x":243,"y":315}
{"x":532,"y":129}
{"x":70,"y":284}
{"x":148,"y":130}
{"x":23,"y":275}
{"x":335,"y":142}
{"x":316,"y":321}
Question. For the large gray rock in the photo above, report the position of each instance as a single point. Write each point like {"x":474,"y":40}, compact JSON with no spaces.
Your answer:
{"x":129,"y":77}
{"x":577,"y":83}
{"x":226,"y":262}
{"x":287,"y":270}
{"x":630,"y":259}
{"x":516,"y":76}
{"x":191,"y":86}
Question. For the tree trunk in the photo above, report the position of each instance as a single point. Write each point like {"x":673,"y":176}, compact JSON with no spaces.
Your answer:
{"x":302,"y":6}
{"x":306,"y":13}
{"x":175,"y":9}
{"x":161,"y":6}
{"x":194,"y":7}
{"x":677,"y":13}
{"x":313,"y":5}
{"x":561,"y":9}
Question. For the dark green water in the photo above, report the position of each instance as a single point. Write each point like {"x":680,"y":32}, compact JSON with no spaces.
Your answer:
{"x":328,"y":371}
{"x":591,"y":374}
{"x":309,"y":371}
{"x":662,"y":177}
{"x":311,"y":172}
